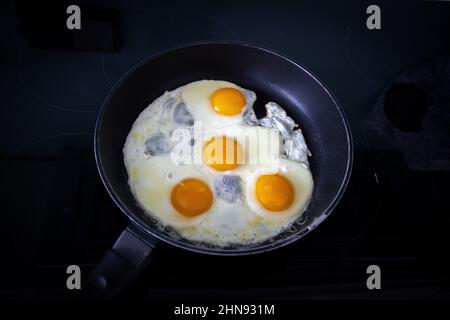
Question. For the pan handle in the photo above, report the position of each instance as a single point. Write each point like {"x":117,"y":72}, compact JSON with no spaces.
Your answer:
{"x":121,"y":265}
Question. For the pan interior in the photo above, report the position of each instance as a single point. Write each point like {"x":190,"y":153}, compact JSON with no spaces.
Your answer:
{"x":273,"y":78}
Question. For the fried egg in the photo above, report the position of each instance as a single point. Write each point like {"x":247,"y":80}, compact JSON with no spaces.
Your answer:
{"x":217,"y":103}
{"x":279,"y":192}
{"x":178,"y":196}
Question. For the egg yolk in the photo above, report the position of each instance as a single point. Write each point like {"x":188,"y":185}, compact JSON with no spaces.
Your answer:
{"x":191,"y":197}
{"x":222,"y":153}
{"x":274,"y":192}
{"x":228,"y":101}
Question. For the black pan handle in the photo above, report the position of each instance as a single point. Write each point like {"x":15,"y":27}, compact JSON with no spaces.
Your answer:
{"x":121,"y":265}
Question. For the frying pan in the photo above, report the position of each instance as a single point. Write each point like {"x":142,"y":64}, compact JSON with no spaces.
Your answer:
{"x":273,"y":77}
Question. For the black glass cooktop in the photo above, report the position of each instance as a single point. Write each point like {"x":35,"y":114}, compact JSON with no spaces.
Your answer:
{"x":394,"y":214}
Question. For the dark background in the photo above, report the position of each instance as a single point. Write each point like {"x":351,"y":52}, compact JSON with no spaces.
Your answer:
{"x":55,"y":211}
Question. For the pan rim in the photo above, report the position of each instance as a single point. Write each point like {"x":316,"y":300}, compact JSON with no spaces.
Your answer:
{"x":219,"y":251}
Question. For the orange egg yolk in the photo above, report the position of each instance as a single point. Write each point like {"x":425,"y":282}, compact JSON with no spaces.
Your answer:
{"x":223,"y":153}
{"x":191,"y":197}
{"x":228,"y":101}
{"x":274,"y":192}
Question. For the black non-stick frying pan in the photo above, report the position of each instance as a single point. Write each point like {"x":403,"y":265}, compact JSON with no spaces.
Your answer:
{"x":272,"y":77}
